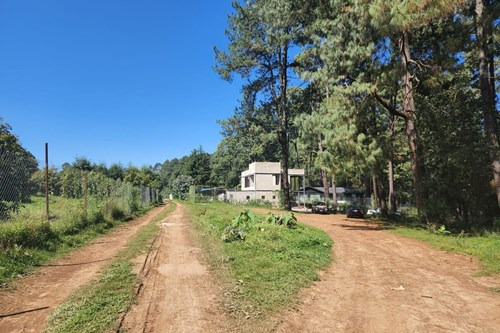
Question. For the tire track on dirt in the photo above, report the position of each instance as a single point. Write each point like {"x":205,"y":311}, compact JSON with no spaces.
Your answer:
{"x":382,"y":282}
{"x":26,"y":307}
{"x":178,"y":295}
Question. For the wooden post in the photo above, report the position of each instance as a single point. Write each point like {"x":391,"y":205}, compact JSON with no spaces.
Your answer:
{"x":47,"y":181}
{"x":85,"y":192}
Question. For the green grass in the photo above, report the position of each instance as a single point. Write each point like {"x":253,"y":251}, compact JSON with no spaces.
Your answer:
{"x":97,"y":306}
{"x":27,"y":240}
{"x":485,"y":248}
{"x":264,"y":272}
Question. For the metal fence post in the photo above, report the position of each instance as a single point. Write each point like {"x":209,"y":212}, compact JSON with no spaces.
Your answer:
{"x":47,"y":181}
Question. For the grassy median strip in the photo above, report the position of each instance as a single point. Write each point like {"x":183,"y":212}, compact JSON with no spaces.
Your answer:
{"x":485,"y":248}
{"x":265,"y":271}
{"x":97,"y":306}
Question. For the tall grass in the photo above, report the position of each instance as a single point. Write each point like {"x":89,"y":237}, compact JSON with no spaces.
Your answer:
{"x":27,"y":239}
{"x":97,"y":306}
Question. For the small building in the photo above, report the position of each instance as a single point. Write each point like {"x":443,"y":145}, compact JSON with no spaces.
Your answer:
{"x":343,"y":194}
{"x":262,"y":181}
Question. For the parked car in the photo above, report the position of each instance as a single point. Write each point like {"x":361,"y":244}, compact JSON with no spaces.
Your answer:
{"x":320,"y":207}
{"x":332,"y":210}
{"x":354,"y":211}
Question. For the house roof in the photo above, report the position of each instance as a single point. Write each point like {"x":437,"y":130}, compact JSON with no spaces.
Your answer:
{"x":339,"y":189}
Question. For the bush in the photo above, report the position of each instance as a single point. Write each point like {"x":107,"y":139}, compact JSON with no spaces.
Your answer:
{"x":259,"y":203}
{"x":117,"y":214}
{"x":236,"y":230}
{"x":25,"y":234}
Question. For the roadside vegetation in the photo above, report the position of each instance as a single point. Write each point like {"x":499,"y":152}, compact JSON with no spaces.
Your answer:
{"x":263,"y":260}
{"x":97,"y":306}
{"x":27,"y":241}
{"x":485,"y":247}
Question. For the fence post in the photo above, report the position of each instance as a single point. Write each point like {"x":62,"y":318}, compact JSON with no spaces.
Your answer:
{"x":47,"y":181}
{"x":85,"y":192}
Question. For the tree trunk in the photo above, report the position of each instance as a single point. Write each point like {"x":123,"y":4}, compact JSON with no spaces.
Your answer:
{"x":382,"y":200}
{"x":297,"y":160}
{"x":487,"y":86}
{"x":392,"y":194}
{"x":410,"y":118}
{"x":375,"y":194}
{"x":334,"y":190}
{"x":283,"y":128}
{"x":326,"y":193}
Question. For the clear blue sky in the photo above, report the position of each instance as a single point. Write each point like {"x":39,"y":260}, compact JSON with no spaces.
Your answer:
{"x":115,"y":80}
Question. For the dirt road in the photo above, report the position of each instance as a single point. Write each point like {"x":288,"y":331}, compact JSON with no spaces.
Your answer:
{"x":381,"y":282}
{"x":178,"y":293}
{"x":26,"y":307}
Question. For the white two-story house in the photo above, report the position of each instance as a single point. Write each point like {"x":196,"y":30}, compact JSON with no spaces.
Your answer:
{"x":262,"y":181}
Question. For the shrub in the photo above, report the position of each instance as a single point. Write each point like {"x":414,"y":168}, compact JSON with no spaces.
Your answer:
{"x":259,"y":203}
{"x":236,"y":230}
{"x":117,"y":214}
{"x":25,"y":234}
{"x":288,"y":220}
{"x":180,"y":186}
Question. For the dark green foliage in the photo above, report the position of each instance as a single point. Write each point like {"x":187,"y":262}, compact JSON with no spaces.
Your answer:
{"x":457,"y":179}
{"x":25,"y":235}
{"x":180,"y":186}
{"x":198,"y":167}
{"x":248,"y":137}
{"x":38,"y":182}
{"x":17,"y":165}
{"x":116,"y":171}
{"x":117,"y":213}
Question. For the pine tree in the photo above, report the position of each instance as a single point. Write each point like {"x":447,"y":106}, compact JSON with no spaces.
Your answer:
{"x":262,"y":34}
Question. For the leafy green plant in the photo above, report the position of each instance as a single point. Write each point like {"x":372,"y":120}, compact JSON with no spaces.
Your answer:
{"x":442,"y":230}
{"x":236,"y":230}
{"x":288,"y":220}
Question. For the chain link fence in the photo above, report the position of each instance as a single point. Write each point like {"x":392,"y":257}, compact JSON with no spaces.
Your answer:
{"x":206,"y":194}
{"x":16,"y":168}
{"x":71,"y":192}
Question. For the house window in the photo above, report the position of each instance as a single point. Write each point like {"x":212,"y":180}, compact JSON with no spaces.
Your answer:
{"x":274,"y":197}
{"x":263,"y":197}
{"x":248,"y":197}
{"x":247,"y":181}
{"x":276,"y":179}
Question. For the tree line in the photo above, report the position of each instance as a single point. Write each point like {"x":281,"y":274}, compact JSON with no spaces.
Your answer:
{"x":396,"y":96}
{"x":21,"y":177}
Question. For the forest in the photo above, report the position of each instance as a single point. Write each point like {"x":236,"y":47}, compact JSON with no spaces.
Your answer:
{"x":397,"y":97}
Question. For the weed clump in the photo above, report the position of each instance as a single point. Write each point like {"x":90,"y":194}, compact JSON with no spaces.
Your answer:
{"x":246,"y":221}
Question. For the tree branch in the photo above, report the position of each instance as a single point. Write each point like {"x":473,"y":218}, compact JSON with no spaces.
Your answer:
{"x":388,"y":107}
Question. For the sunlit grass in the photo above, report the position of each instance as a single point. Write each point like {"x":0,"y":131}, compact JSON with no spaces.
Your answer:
{"x":265,"y":271}
{"x":485,"y":248}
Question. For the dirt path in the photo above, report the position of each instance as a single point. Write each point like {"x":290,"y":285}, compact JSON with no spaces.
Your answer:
{"x":178,"y":294}
{"x":26,"y":307}
{"x":360,"y":292}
